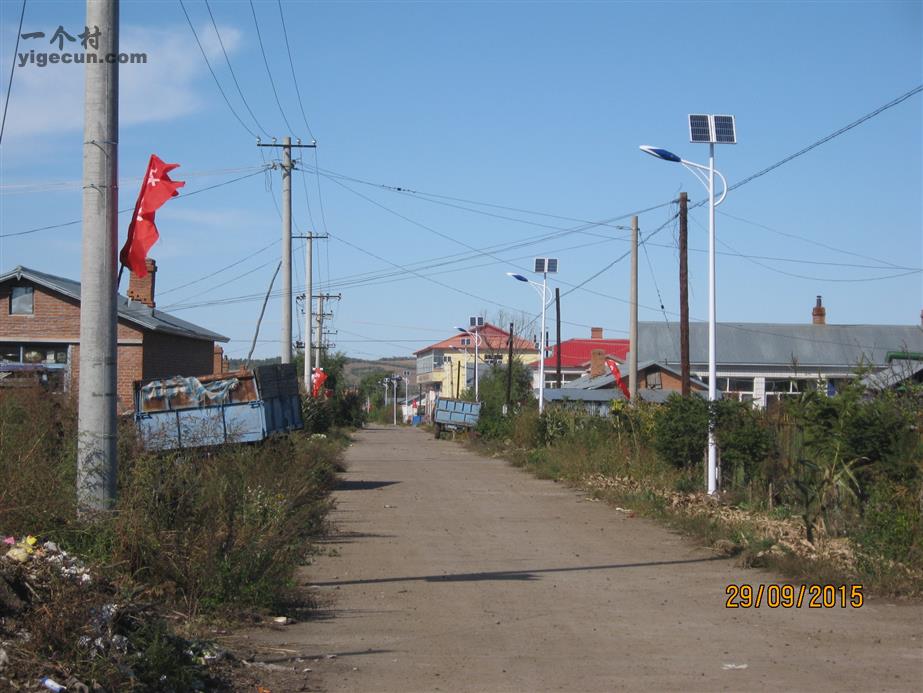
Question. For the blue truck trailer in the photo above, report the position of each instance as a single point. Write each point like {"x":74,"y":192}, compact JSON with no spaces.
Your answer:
{"x":454,"y":414}
{"x":236,"y":407}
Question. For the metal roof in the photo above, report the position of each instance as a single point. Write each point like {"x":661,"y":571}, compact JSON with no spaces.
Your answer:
{"x":131,"y":311}
{"x":580,"y":395}
{"x":897,"y":372}
{"x":780,"y":345}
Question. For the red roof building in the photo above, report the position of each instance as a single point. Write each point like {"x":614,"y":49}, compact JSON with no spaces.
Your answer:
{"x":575,"y":356}
{"x":435,"y":363}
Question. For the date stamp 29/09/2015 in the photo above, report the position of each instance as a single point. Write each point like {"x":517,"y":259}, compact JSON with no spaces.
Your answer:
{"x":774,"y":596}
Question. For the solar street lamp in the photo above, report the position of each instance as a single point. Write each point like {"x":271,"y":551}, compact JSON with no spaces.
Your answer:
{"x":713,"y":129}
{"x":543,"y":266}
{"x":477,"y":344}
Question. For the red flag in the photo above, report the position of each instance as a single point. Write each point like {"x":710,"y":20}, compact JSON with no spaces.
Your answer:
{"x":156,"y":188}
{"x":318,"y":378}
{"x":614,"y":367}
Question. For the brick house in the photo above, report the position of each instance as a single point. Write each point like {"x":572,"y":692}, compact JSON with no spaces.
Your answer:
{"x":40,"y":331}
{"x":575,"y":358}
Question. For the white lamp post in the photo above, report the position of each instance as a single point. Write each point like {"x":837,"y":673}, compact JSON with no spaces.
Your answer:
{"x":543,"y":266}
{"x":477,"y":344}
{"x":710,"y":129}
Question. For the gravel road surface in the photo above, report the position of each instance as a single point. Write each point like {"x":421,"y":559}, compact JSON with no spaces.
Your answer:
{"x":455,"y":572}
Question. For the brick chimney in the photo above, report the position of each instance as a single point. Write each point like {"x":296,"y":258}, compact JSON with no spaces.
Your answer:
{"x":218,"y":361}
{"x":142,"y":290}
{"x":597,"y":363}
{"x":596,"y":333}
{"x":819,"y":313}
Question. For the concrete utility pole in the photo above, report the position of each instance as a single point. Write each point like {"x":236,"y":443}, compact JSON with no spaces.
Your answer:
{"x":97,"y":463}
{"x":286,"y":333}
{"x":286,"y":337}
{"x":308,"y":305}
{"x":320,"y":323}
{"x":684,"y":292}
{"x":633,"y":320}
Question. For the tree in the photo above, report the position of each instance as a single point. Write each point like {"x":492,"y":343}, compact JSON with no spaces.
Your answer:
{"x":492,"y":389}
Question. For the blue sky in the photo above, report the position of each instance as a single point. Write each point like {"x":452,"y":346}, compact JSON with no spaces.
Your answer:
{"x":533,"y":106}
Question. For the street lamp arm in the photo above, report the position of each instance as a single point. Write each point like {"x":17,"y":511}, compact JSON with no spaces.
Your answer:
{"x":695,"y":169}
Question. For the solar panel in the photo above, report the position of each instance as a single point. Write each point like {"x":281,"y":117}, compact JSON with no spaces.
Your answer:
{"x":700,"y":128}
{"x":475,"y":321}
{"x":725,"y":131}
{"x":552,"y":265}
{"x":540,"y":265}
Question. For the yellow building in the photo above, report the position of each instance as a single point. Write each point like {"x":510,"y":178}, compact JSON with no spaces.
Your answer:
{"x":448,"y":367}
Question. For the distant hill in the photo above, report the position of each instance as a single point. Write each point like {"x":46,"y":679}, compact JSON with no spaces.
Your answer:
{"x":355,"y":369}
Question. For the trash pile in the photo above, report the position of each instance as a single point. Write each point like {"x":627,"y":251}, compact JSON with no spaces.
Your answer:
{"x":64,"y":628}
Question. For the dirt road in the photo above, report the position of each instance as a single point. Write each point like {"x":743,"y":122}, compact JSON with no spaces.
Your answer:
{"x":454,"y":572}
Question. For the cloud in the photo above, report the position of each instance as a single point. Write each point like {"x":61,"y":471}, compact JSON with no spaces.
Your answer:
{"x":50,"y":99}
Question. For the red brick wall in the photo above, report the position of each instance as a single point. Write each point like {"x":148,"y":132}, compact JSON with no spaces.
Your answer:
{"x":54,"y":318}
{"x":141,"y":355}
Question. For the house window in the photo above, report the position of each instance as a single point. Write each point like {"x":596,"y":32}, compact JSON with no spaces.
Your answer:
{"x":466,"y":341}
{"x":21,"y":300}
{"x":653,"y":381}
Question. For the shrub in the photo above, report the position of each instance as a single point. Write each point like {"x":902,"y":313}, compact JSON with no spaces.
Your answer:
{"x":745,"y":441}
{"x":890,"y":529}
{"x":681,"y":430}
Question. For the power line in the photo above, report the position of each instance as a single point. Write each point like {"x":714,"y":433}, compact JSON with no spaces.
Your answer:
{"x":812,"y":242}
{"x":219,"y":271}
{"x":9,"y":86}
{"x":130,"y":209}
{"x":814,"y":145}
{"x":231,"y":70}
{"x":272,"y":82}
{"x":291,"y":63}
{"x":212,"y":71}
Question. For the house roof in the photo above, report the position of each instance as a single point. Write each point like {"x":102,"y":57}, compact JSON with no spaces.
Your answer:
{"x":897,"y":372}
{"x":579,"y":395}
{"x":576,"y":353}
{"x":134,"y":312}
{"x":780,"y":345}
{"x":607,"y":380}
{"x":492,"y":339}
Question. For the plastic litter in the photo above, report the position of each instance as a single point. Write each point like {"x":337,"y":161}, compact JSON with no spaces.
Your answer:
{"x":52,"y":685}
{"x":729,"y":667}
{"x":284,"y":620}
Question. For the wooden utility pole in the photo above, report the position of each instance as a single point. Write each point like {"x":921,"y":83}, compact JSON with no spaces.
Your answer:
{"x":557,"y":310}
{"x":509,"y":374}
{"x":97,"y":462}
{"x":633,"y":318}
{"x":684,"y":292}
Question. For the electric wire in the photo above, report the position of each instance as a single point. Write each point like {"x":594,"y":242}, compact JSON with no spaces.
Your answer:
{"x":212,"y":71}
{"x":272,"y":82}
{"x":130,"y":209}
{"x":231,"y":70}
{"x":824,"y":140}
{"x":252,"y":254}
{"x":9,"y":86}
